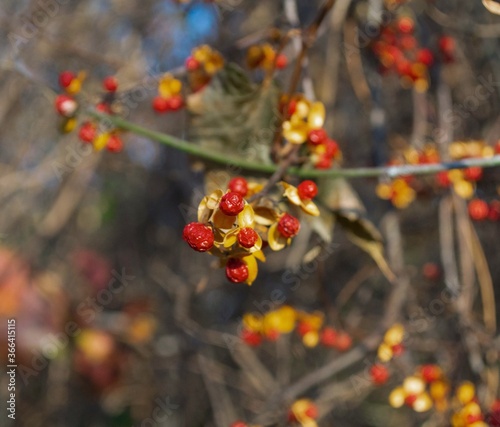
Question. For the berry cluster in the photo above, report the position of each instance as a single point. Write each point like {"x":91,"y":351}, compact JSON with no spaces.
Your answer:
{"x":309,"y":326}
{"x":480,"y":210}
{"x":392,"y":343}
{"x":201,"y":65}
{"x":67,"y":106}
{"x":264,"y":56}
{"x":303,"y":124}
{"x":169,"y":95}
{"x":236,"y":231}
{"x":398,"y":51}
{"x":467,"y":412}
{"x":421,"y":390}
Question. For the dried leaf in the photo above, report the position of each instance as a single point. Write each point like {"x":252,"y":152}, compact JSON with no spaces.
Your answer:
{"x":350,"y":213}
{"x":234,"y":115}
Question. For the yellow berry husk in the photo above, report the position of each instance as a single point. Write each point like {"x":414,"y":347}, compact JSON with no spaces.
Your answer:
{"x":423,"y":403}
{"x":413,"y":385}
{"x":101,"y":141}
{"x":253,"y":322}
{"x":439,"y":390}
{"x":464,"y":189}
{"x":466,"y":392}
{"x":394,"y":335}
{"x":397,"y":397}
{"x":384,"y":352}
{"x":384,"y":191}
{"x":311,"y":339}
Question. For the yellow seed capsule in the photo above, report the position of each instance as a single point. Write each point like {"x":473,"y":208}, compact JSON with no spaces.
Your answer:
{"x":384,"y":191}
{"x":69,"y":125}
{"x":394,"y":334}
{"x":471,"y":409}
{"x":422,"y":403}
{"x":488,"y":151}
{"x":101,"y":141}
{"x":455,"y":175}
{"x":397,"y":397}
{"x":384,"y":352}
{"x":302,"y":109}
{"x":413,"y":385}
{"x":457,"y":421}
{"x":464,"y":189}
{"x":286,"y":316}
{"x":466,"y":392}
{"x":457,"y":150}
{"x":252,"y":321}
{"x":421,"y":85}
{"x":316,"y":117}
{"x":311,"y":339}
{"x":438,"y":390}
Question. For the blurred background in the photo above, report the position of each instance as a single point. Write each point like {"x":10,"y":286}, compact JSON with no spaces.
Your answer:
{"x":118,"y":322}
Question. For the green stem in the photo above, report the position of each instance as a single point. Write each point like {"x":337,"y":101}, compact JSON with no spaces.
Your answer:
{"x":222,"y":158}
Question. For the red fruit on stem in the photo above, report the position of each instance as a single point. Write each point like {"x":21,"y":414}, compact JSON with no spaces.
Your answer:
{"x":236,"y":270}
{"x":192,"y":64}
{"x":65,"y":105}
{"x":232,"y":203}
{"x":473,"y":173}
{"x":324,"y":162}
{"x":311,"y":411}
{"x":431,"y":271}
{"x":430,"y":373}
{"x":497,"y":147}
{"x":406,"y":25}
{"x":494,"y":212}
{"x":317,"y":136}
{"x":110,"y":83}
{"x":478,"y":209}
{"x":425,"y":57}
{"x":247,"y":237}
{"x":307,"y":190}
{"x":281,"y":61}
{"x":175,"y":102}
{"x":331,"y":148}
{"x":288,"y":225}
{"x":443,"y":179}
{"x":344,"y":341}
{"x":238,"y":185}
{"x":65,"y":78}
{"x":251,"y":338}
{"x":115,"y":144}
{"x":447,"y":48}
{"x":410,"y":399}
{"x":379,"y":374}
{"x":328,"y":337}
{"x":303,"y":328}
{"x":199,"y":236}
{"x":398,"y":349}
{"x":160,"y":104}
{"x":87,"y":132}
{"x":103,"y":108}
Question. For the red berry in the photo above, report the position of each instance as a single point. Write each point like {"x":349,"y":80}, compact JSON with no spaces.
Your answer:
{"x":115,"y":144}
{"x":247,"y":237}
{"x":410,"y":399}
{"x":317,"y":136}
{"x":478,"y":209}
{"x":311,"y":411}
{"x":65,"y":78}
{"x":87,"y":132}
{"x":231,"y":203}
{"x":175,"y":102}
{"x":199,"y":236}
{"x":236,"y":270}
{"x":406,"y":25}
{"x":425,"y":57}
{"x":331,"y":148}
{"x":251,"y":338}
{"x":324,"y":162}
{"x":103,"y":108}
{"x":328,"y":337}
{"x":430,"y":373}
{"x":307,"y":190}
{"x":288,"y":225}
{"x":273,"y":335}
{"x":110,"y":83}
{"x":160,"y":104}
{"x":447,"y":48}
{"x":431,"y":271}
{"x":192,"y":64}
{"x":474,"y":173}
{"x":303,"y":328}
{"x":497,"y":147}
{"x":281,"y":61}
{"x":408,"y":42}
{"x":398,"y":349}
{"x":379,"y":374}
{"x":494,"y":212}
{"x":238,"y":424}
{"x":344,"y":341}
{"x":473,"y":418}
{"x":443,"y":179}
{"x":238,"y":185}
{"x":65,"y":105}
